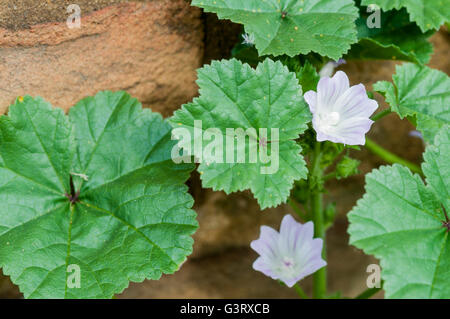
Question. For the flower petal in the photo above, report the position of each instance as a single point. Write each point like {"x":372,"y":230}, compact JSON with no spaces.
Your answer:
{"x":311,"y":98}
{"x":313,"y":266}
{"x":354,"y":102}
{"x":261,"y":265}
{"x":303,"y":237}
{"x":288,"y":223}
{"x":316,"y":247}
{"x":330,"y":89}
{"x":290,"y":282}
{"x":290,"y":233}
{"x":324,"y":136}
{"x":352,"y":131}
{"x":266,"y":243}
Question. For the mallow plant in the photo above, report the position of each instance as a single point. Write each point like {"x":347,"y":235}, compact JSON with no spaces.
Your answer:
{"x":94,"y":199}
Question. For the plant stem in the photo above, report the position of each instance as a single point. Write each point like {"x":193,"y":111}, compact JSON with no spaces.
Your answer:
{"x":368,"y":293}
{"x":329,"y":176}
{"x":320,"y":276}
{"x":390,"y":157}
{"x":293,"y":203}
{"x":381,"y":114}
{"x":300,"y":291}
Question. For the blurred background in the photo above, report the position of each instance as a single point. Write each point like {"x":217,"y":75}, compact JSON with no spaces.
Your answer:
{"x":152,"y":50}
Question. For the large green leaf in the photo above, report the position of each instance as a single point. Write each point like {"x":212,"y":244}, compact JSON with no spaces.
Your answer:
{"x":132,"y":219}
{"x":428,"y":14}
{"x":421,"y":92}
{"x":292,"y":26}
{"x":233,"y":95}
{"x":400,"y":221}
{"x":395,"y":39}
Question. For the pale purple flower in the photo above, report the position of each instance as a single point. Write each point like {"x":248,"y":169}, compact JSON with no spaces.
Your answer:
{"x":328,"y":68}
{"x":416,"y":134}
{"x":288,"y":255}
{"x":341,"y":114}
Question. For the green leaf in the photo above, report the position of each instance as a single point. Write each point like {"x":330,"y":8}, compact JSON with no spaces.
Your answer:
{"x":232,"y":96}
{"x":308,"y":77}
{"x":395,"y":39}
{"x":132,"y":219}
{"x":400,"y":221}
{"x":292,"y":27}
{"x":437,"y":166}
{"x":428,"y":14}
{"x":347,"y":167}
{"x":421,"y":92}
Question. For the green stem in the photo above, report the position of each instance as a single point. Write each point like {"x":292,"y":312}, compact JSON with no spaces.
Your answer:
{"x":293,"y":203}
{"x":329,"y":176}
{"x":390,"y":157}
{"x":368,"y":293}
{"x":320,"y":276}
{"x":381,"y":114}
{"x":300,"y":291}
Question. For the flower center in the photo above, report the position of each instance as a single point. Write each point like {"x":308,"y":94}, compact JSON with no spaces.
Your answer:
{"x":329,"y":120}
{"x":288,"y":262}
